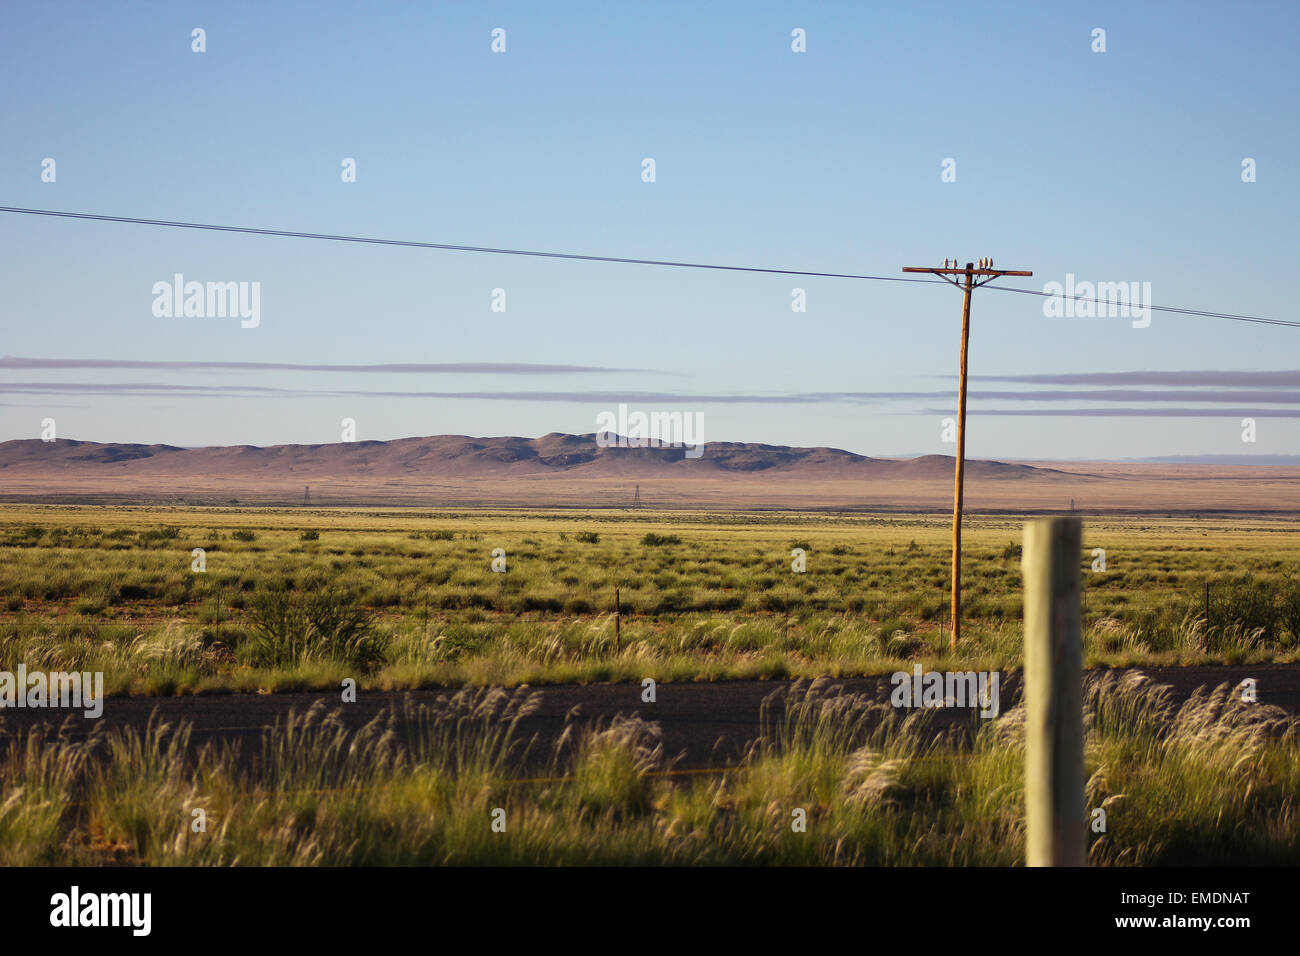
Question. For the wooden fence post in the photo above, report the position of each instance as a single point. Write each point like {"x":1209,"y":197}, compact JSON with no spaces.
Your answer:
{"x":1054,"y":809}
{"x":1207,"y":609}
{"x":618,"y":624}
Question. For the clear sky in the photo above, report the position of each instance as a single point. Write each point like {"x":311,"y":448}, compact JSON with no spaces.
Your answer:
{"x":1115,"y":166}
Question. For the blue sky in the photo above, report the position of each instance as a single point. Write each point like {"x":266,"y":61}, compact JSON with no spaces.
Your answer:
{"x":1115,"y":166}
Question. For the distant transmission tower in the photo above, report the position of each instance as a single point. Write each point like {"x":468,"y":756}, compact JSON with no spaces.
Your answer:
{"x":636,"y":498}
{"x":306,"y":495}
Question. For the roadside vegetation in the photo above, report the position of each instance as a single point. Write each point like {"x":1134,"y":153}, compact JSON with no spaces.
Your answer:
{"x":1210,"y":782}
{"x":296,"y":599}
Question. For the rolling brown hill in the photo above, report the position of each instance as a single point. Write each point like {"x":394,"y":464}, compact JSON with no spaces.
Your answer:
{"x":461,"y":456}
{"x":573,"y":470}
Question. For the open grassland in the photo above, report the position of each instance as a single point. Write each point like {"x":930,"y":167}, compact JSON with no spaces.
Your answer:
{"x":303,"y":598}
{"x":1212,"y":782}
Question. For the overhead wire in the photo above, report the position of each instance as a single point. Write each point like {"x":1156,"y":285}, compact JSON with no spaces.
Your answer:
{"x":627,"y":260}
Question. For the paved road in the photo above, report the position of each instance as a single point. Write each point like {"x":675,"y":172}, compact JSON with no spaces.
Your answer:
{"x":703,"y":724}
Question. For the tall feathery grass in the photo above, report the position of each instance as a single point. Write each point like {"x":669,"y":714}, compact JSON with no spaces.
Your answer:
{"x":834,"y":779}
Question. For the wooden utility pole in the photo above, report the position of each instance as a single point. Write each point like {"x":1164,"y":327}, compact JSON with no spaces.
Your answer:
{"x":951,"y":273}
{"x":1054,"y":803}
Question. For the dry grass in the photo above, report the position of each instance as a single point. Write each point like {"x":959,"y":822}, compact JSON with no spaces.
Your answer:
{"x":1212,"y":782}
{"x":408,"y":599}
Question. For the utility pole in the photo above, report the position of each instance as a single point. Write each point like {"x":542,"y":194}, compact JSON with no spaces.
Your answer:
{"x":952,"y":273}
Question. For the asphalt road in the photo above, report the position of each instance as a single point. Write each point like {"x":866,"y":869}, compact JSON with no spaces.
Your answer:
{"x":702,"y":724}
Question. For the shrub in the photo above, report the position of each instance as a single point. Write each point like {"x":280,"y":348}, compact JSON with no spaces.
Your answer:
{"x":243,"y":535}
{"x":311,"y":534}
{"x":587,"y":537}
{"x":1289,"y":609}
{"x":654,"y":540}
{"x":1249,"y":605}
{"x":890,"y":625}
{"x":290,"y":629}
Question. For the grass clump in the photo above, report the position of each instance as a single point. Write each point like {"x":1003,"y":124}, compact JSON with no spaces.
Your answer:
{"x":290,"y":629}
{"x":653,"y":540}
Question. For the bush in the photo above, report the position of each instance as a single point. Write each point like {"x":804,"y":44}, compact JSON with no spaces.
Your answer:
{"x":892,"y":624}
{"x":1247,"y":604}
{"x":654,"y":540}
{"x":311,"y":534}
{"x":587,"y":537}
{"x":242,"y":535}
{"x":1289,"y":609}
{"x":290,"y":629}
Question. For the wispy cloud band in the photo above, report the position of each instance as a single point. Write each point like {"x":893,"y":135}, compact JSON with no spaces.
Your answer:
{"x":1189,"y":378}
{"x":1240,"y":412}
{"x":609,"y":396}
{"x":449,"y":368}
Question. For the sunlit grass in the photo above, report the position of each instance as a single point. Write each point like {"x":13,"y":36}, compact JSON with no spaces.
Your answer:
{"x":836,"y":779}
{"x":405,"y":599}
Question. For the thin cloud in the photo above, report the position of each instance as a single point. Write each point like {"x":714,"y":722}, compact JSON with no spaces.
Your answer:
{"x":1129,"y":412}
{"x":1144,"y":395}
{"x":604,"y":396}
{"x":610,"y":396}
{"x":449,"y":368}
{"x":1189,"y":378}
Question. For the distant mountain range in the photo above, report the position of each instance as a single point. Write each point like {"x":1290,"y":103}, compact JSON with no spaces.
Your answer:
{"x":575,"y":471}
{"x":461,"y":456}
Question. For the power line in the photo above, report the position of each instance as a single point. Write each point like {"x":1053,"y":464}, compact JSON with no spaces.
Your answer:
{"x":452,"y":247}
{"x":1158,"y":308}
{"x":449,"y":246}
